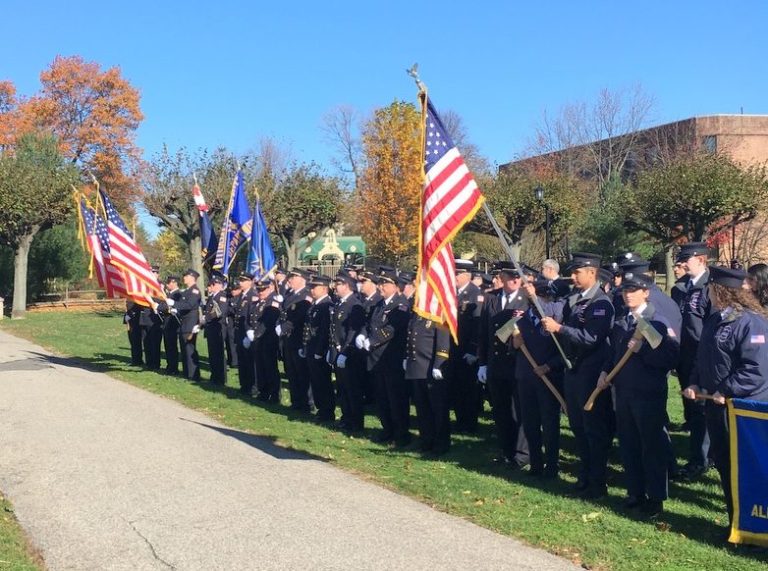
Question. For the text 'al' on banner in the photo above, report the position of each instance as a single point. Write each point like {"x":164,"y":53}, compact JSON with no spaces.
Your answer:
{"x":748,"y":422}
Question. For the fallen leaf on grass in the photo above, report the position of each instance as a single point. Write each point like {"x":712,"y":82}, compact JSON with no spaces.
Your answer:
{"x":663,"y":526}
{"x":590,"y":516}
{"x":479,"y":502}
{"x":466,"y":492}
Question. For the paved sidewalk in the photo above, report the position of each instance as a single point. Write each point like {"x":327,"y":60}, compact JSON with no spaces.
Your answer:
{"x":106,"y":476}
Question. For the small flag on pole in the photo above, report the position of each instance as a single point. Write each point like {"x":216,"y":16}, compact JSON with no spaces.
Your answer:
{"x":110,"y":277}
{"x":207,"y":236}
{"x":261,"y":257}
{"x":236,"y":226}
{"x":450,"y":199}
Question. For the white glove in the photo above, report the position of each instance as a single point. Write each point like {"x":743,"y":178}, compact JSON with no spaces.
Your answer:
{"x":170,"y":302}
{"x":482,"y":374}
{"x":302,"y":353}
{"x":246,"y":342}
{"x":367,"y":344}
{"x":318,"y":357}
{"x":469,"y":358}
{"x":360,"y":341}
{"x":437,"y":374}
{"x":341,"y":361}
{"x":328,"y":356}
{"x":196,"y":329}
{"x":405,"y":364}
{"x":278,"y":330}
{"x":250,"y":335}
{"x":174,"y":311}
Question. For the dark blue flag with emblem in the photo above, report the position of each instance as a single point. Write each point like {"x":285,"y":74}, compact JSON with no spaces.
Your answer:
{"x":236,"y":227}
{"x":261,"y":257}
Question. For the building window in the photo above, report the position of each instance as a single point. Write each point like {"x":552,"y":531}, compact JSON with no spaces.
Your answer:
{"x":710,"y":144}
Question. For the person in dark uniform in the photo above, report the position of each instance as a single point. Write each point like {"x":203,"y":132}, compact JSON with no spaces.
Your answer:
{"x":586,"y":323}
{"x":695,"y":308}
{"x":640,"y":390}
{"x":426,"y":353}
{"x":732,"y":361}
{"x":241,"y":308}
{"x":540,"y":409}
{"x":171,"y":328}
{"x":406,"y":286}
{"x":131,"y":320}
{"x":497,"y":364}
{"x":281,"y":283}
{"x":462,"y":366}
{"x":262,"y":321}
{"x":317,"y":331}
{"x":290,"y":328}
{"x":151,"y":333}
{"x":233,"y":299}
{"x":187,"y":309}
{"x":214,"y":321}
{"x":349,"y":362}
{"x":369,"y":298}
{"x":384,"y":339}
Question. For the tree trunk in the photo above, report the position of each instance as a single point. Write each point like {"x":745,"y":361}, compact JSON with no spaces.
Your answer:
{"x":516,"y":249}
{"x":20,"y":260}
{"x":195,"y":249}
{"x":670,"y":264}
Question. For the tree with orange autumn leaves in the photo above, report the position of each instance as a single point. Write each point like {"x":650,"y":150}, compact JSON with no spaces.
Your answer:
{"x":390,"y":184}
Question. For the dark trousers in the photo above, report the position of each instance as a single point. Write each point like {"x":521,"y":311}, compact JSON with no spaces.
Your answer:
{"x":171,"y":343}
{"x":215,"y":338}
{"x":643,"y":443}
{"x":190,"y":360}
{"x":298,"y":378}
{"x":698,"y":441}
{"x":719,"y":434}
{"x":464,"y":394}
{"x":593,"y":430}
{"x":541,"y":421}
{"x":505,"y":404}
{"x":152,"y":337}
{"x":267,"y":373}
{"x":232,"y":353}
{"x":432,"y":413}
{"x":322,"y":387}
{"x":245,"y":367}
{"x":134,"y":340}
{"x":349,"y":382}
{"x":392,"y":402}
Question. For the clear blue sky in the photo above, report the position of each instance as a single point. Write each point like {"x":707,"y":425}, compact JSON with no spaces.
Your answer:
{"x":231,"y":72}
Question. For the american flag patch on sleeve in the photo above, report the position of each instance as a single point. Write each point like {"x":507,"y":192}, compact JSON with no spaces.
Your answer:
{"x":757,"y":339}
{"x":599,"y":313}
{"x":670,"y":332}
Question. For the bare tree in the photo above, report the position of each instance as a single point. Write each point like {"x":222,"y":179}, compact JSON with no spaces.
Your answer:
{"x":341,"y":128}
{"x":454,"y":124}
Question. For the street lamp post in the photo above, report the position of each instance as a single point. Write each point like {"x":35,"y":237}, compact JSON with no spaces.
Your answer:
{"x":538,"y":192}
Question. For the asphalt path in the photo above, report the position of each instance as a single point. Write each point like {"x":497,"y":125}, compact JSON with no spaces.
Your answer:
{"x":103,"y":475}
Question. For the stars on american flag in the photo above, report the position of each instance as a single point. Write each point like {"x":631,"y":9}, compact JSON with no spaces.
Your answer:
{"x":438,"y":142}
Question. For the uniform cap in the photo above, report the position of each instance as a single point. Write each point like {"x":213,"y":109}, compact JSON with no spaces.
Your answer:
{"x":464,"y":265}
{"x":387,"y":274}
{"x":635,"y":265}
{"x":245,"y":276}
{"x":691,"y":249}
{"x":727,"y":277}
{"x":405,"y":278}
{"x":191,"y":272}
{"x":507,"y":267}
{"x":584,"y":260}
{"x":343,"y":277}
{"x":636,"y":280}
{"x":320,"y":280}
{"x":300,"y":273}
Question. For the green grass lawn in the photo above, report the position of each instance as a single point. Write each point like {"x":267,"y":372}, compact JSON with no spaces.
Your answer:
{"x":465,"y":482}
{"x":15,"y":551}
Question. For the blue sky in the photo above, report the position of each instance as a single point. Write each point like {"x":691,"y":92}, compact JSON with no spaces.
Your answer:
{"x":228,"y":73}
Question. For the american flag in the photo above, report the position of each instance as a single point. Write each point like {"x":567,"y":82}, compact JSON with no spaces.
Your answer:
{"x":450,"y":199}
{"x":140,"y":281}
{"x":110,"y":277}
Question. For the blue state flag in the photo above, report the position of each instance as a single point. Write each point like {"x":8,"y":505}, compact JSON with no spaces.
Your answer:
{"x":236,"y":226}
{"x":261,"y":257}
{"x":748,"y":426}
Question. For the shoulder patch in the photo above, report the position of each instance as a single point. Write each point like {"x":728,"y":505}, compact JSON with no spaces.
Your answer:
{"x":254,"y":298}
{"x":599,"y":313}
{"x":222,"y":299}
{"x":275,"y":304}
{"x":195,"y":290}
{"x":279,"y":297}
{"x":309,"y":299}
{"x":671,"y":332}
{"x":757,"y":339}
{"x":480,"y":298}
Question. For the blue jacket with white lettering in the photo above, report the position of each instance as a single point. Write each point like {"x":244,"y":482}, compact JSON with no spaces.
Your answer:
{"x":732,"y":357}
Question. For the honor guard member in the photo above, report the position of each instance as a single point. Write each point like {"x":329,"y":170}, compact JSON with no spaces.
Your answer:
{"x":384,"y":340}
{"x":426,"y":353}
{"x":233,"y":299}
{"x":214,"y":322}
{"x":462,"y":367}
{"x":317,"y":332}
{"x":640,"y":393}
{"x":349,"y":362}
{"x":262,"y":321}
{"x":406,"y":286}
{"x":540,"y":409}
{"x":131,"y":320}
{"x":171,"y":325}
{"x":281,"y":282}
{"x":587,"y":321}
{"x":241,"y":308}
{"x":732,"y":361}
{"x":151,"y":333}
{"x":290,"y":328}
{"x":664,"y":304}
{"x":187,"y":309}
{"x":369,"y":297}
{"x":497,"y":364}
{"x":695,"y":308}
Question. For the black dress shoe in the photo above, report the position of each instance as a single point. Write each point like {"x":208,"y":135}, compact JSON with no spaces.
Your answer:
{"x":652,"y":508}
{"x":692,"y":472}
{"x":632,"y":502}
